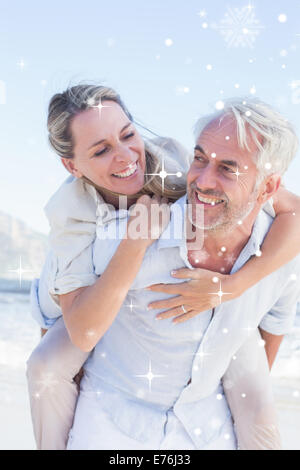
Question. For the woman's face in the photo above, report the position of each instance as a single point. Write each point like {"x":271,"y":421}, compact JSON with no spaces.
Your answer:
{"x":107,"y":149}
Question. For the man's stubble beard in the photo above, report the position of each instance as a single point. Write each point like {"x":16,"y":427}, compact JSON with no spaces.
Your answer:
{"x":226,"y":223}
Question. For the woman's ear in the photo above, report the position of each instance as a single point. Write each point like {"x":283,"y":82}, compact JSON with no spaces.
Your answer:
{"x":68,"y":163}
{"x":271,"y":186}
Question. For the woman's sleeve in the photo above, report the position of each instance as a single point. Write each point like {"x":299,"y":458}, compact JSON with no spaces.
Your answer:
{"x":247,"y":386}
{"x":72,"y":217}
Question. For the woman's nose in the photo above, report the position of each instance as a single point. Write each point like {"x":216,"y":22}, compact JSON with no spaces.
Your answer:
{"x":124,"y":154}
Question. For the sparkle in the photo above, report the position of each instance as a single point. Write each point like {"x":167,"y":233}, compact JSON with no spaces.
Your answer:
{"x":258,"y":253}
{"x":243,"y":395}
{"x":197,"y":431}
{"x":131,"y":305}
{"x":249,"y":330}
{"x":215,"y":279}
{"x":209,"y":67}
{"x":294,"y":84}
{"x":219,"y":105}
{"x":230,"y":258}
{"x":163,"y":174}
{"x":282,"y":18}
{"x":48,"y":382}
{"x":220,"y":293}
{"x":168,"y":42}
{"x":213,"y":155}
{"x":204,"y":25}
{"x":240,"y":222}
{"x":219,"y":396}
{"x":226,"y":437}
{"x":227,"y":137}
{"x":150,"y":376}
{"x":283,"y":53}
{"x":225,"y":331}
{"x":253,"y":90}
{"x":202,"y":256}
{"x":239,"y":27}
{"x":201,"y":355}
{"x":202,"y":13}
{"x":21,"y":64}
{"x":296,"y":394}
{"x":293,"y":277}
{"x":248,"y":113}
{"x":20,"y":271}
{"x":268,"y":166}
{"x":90,"y":333}
{"x":99,"y":106}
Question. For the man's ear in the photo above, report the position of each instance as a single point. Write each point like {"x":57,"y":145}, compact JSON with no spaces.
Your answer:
{"x":68,"y":163}
{"x":270,"y":187}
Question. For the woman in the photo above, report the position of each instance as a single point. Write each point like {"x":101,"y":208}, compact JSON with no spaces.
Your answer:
{"x":78,"y":120}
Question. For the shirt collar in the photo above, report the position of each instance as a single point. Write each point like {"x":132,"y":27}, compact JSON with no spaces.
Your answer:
{"x":174,"y":234}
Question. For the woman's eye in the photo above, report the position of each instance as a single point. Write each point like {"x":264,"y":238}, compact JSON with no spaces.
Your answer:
{"x":199,"y":159}
{"x":100,"y":153}
{"x":129,"y":135}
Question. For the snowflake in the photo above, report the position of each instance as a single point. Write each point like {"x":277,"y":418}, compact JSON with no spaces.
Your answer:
{"x":239,"y":27}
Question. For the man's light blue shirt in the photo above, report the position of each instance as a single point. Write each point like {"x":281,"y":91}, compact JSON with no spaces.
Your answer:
{"x":141,"y":367}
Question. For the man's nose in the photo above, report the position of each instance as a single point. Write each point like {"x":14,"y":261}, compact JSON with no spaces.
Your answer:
{"x":207,"y":178}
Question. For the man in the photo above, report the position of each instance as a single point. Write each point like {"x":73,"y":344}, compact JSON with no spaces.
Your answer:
{"x":240,"y":155}
{"x":223,"y":181}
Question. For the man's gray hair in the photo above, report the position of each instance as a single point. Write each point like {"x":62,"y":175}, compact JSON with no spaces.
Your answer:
{"x":272,"y":133}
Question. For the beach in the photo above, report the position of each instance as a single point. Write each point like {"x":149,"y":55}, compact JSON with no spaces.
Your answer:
{"x":19,"y":334}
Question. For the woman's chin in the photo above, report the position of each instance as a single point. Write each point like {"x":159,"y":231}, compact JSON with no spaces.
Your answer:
{"x":131,"y":187}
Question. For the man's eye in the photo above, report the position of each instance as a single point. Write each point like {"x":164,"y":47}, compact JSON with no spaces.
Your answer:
{"x":228,"y":169}
{"x":200,"y":159}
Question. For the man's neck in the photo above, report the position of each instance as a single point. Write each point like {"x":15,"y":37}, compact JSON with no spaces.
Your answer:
{"x":221,"y":248}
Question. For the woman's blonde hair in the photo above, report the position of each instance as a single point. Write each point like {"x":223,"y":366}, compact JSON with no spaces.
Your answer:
{"x":63,"y":107}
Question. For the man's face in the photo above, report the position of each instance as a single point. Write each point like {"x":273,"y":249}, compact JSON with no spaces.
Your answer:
{"x":222,"y":178}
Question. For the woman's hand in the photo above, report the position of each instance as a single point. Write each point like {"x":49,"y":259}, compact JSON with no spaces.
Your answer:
{"x":149,"y":217}
{"x":206,"y":290}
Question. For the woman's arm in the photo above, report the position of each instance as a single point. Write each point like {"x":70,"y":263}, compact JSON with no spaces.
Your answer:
{"x":281,"y":244}
{"x":89,"y":311}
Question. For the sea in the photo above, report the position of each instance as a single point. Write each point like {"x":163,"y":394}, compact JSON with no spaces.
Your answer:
{"x":19,"y":334}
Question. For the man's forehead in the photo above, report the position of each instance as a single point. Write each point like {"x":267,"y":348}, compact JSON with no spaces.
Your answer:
{"x":222,"y":132}
{"x":219,"y":129}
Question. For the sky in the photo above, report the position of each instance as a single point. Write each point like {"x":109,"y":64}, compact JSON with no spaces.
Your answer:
{"x":171,"y":61}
